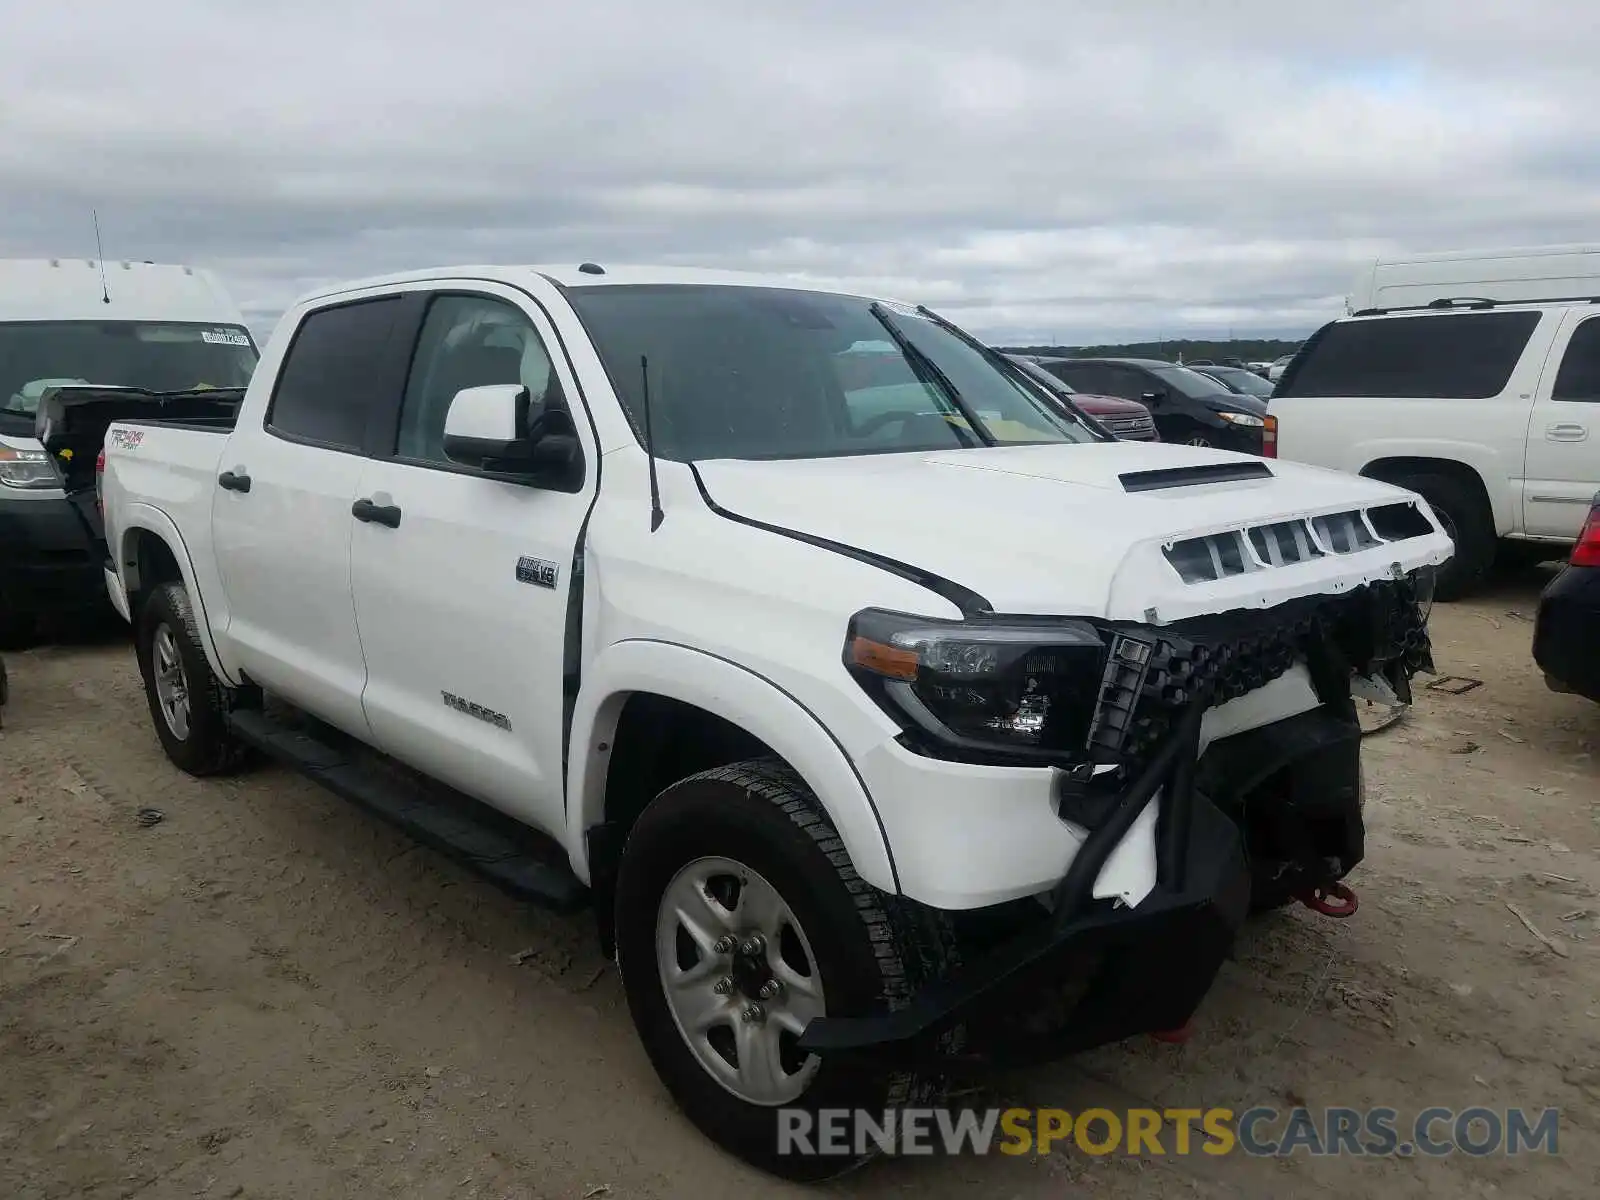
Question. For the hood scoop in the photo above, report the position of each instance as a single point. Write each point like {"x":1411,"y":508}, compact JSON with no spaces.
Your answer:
{"x":1176,"y":477}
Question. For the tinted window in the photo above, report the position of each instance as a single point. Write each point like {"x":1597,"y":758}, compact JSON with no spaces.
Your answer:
{"x":1083,"y":377}
{"x":1461,"y":356}
{"x":757,"y":372}
{"x":1185,"y":382}
{"x":334,"y":374}
{"x":468,"y":341}
{"x":1579,"y":377}
{"x":1127,"y":382}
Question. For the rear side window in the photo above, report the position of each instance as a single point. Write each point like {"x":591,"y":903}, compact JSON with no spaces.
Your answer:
{"x":1579,"y":377}
{"x":1085,"y":378}
{"x":334,"y":374}
{"x":1448,"y":356}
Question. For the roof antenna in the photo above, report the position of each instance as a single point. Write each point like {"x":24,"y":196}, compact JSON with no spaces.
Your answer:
{"x":656,"y":515}
{"x":105,"y":292}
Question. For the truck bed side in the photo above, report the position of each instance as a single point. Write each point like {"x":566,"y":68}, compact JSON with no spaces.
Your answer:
{"x":158,"y":487}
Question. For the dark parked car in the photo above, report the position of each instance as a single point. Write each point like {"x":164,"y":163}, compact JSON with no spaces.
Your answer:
{"x":1187,"y":406}
{"x":1126,"y":419}
{"x":1566,"y":633}
{"x":1239,"y":380}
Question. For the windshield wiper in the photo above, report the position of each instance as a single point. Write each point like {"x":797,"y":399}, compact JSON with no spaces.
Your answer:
{"x":929,"y":372}
{"x":1015,"y":372}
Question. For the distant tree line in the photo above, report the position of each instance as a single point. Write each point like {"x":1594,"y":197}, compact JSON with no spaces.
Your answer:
{"x":1188,"y":349}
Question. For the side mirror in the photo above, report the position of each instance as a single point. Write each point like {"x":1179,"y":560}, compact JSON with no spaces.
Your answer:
{"x":498,"y":428}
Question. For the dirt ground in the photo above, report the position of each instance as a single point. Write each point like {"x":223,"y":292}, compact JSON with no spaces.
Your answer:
{"x":269,"y":994}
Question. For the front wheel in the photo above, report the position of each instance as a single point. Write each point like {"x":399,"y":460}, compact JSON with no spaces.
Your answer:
{"x":739,"y":919}
{"x":1467,"y":520}
{"x":188,"y":703}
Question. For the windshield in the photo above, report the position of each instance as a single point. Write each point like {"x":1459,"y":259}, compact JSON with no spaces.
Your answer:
{"x":160,"y":357}
{"x":1247,"y":382}
{"x":1188,"y":383}
{"x":760,"y":373}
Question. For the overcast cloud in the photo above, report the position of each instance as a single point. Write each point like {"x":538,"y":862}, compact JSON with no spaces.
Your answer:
{"x":1043,"y":171}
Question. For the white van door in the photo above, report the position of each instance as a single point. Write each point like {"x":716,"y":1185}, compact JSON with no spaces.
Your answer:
{"x":1563,"y":456}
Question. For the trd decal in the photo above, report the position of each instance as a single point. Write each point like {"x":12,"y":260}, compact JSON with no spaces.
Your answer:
{"x":499,"y":720}
{"x":537,"y":571}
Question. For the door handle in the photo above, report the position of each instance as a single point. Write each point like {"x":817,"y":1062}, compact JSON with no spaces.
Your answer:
{"x":1566,"y":433}
{"x":234,"y":481}
{"x":381,"y":514}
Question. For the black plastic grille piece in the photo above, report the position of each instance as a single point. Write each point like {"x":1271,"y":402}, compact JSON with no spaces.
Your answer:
{"x":1216,"y":659}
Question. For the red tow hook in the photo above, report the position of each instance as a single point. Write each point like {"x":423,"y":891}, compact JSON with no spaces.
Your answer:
{"x":1175,"y":1037}
{"x":1335,"y":900}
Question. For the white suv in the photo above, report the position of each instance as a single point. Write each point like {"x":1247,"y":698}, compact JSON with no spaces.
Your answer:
{"x":1490,"y":410}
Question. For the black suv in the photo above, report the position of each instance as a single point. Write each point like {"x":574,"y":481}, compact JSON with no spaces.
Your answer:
{"x":1187,"y":406}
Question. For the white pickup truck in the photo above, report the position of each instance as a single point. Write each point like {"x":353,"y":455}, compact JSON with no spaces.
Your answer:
{"x":886,"y":729}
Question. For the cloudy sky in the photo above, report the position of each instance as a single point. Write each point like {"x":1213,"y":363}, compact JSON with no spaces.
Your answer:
{"x":1070,"y":170}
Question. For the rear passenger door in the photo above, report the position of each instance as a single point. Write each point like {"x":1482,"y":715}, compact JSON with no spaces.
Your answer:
{"x":280,"y":512}
{"x":462,"y":602}
{"x":1563,"y":456}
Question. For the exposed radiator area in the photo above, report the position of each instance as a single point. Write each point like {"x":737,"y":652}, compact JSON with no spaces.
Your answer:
{"x":1240,"y":551}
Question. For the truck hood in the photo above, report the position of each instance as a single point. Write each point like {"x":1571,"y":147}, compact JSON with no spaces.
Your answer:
{"x":1056,"y":530}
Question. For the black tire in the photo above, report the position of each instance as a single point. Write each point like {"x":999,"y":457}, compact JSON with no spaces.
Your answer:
{"x":206,"y":747}
{"x":1467,"y":519}
{"x":871,"y":949}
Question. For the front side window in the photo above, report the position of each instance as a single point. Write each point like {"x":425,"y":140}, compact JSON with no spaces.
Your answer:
{"x":1433,"y":356}
{"x":156,"y":356}
{"x":469,"y":341}
{"x":760,"y":372}
{"x":1579,"y":376}
{"x":329,"y":382}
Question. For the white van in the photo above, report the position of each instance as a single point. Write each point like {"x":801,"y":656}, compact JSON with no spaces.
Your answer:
{"x":64,"y":322}
{"x":1528,"y":273}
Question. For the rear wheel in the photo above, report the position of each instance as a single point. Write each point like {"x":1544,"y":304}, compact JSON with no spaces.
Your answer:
{"x":739,"y":919}
{"x":1462,"y":511}
{"x":188,"y":704}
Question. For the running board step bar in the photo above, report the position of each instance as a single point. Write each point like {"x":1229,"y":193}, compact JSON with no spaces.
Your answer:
{"x":515,"y":858}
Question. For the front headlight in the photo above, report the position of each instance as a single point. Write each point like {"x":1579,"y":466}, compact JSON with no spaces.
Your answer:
{"x":1022,"y":690}
{"x":1242,"y":420}
{"x":28,"y":469}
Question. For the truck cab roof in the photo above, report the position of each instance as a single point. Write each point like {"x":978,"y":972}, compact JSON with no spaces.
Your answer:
{"x":590,"y":275}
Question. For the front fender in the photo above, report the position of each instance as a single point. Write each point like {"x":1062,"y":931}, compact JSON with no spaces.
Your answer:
{"x":736,"y":694}
{"x":137,"y":517}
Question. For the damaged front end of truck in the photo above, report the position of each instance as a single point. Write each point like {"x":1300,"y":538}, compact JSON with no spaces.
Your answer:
{"x":1246,"y":820}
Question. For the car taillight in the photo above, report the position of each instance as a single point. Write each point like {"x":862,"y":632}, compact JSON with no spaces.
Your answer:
{"x":1587,"y":552}
{"x":99,"y":474}
{"x":1269,"y":438}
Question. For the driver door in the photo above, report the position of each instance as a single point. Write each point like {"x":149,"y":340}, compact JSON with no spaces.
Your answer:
{"x":461,"y":600}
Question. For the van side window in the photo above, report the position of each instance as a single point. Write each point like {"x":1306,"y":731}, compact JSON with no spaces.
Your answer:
{"x":1579,"y":377}
{"x":1443,"y":356}
{"x":469,"y":341}
{"x":332,"y":376}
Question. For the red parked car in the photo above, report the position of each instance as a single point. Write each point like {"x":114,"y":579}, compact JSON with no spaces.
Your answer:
{"x":1127,"y":419}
